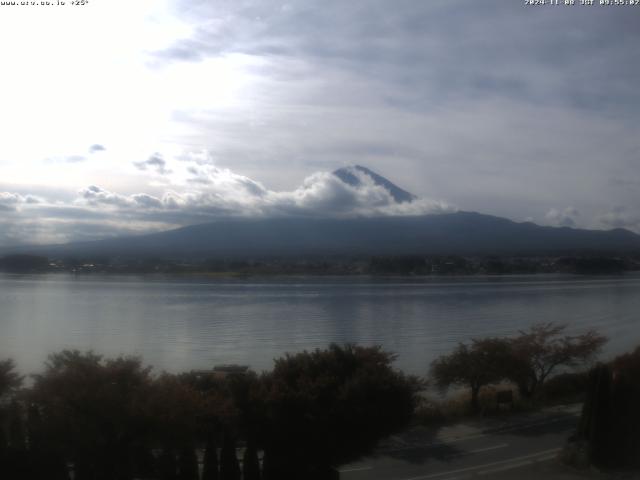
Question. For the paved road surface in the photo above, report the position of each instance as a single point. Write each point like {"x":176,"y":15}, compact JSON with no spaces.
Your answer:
{"x":484,"y":449}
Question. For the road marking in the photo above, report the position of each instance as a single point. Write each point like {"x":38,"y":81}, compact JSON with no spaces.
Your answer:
{"x":530,"y":457}
{"x":545,"y":458}
{"x":461,"y":454}
{"x":486,"y":449}
{"x":454,"y":439}
{"x":355,"y":469}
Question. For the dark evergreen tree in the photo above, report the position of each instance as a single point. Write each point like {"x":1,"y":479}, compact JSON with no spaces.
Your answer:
{"x":17,"y":427}
{"x":167,"y":467}
{"x":210,"y":467}
{"x":595,"y":422}
{"x":118,"y":462}
{"x":15,"y":464}
{"x":250,"y":462}
{"x":49,"y":465}
{"x":188,"y":464}
{"x":267,"y":470}
{"x":143,"y":462}
{"x":46,"y":458}
{"x":280,"y":467}
{"x":82,"y":468}
{"x":610,"y":417}
{"x":4,"y":441}
{"x":229,"y":465}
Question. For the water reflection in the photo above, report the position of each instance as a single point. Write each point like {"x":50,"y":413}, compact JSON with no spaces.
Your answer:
{"x":178,"y":324}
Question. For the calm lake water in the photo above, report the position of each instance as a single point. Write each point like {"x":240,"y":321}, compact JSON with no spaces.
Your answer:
{"x":177,"y":324}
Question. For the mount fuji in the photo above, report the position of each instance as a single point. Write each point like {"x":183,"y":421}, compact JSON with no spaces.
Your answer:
{"x":458,"y":233}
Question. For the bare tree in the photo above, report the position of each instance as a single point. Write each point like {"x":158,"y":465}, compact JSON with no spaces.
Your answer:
{"x":476,"y":365}
{"x":543,"y":348}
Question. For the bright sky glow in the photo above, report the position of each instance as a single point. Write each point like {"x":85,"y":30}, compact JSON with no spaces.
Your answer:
{"x":77,"y":76}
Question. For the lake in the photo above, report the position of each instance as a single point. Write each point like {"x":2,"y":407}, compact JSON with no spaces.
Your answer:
{"x":178,"y":323}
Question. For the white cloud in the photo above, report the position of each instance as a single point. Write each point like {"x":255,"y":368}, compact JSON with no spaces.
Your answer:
{"x":12,"y":201}
{"x":155,"y":162}
{"x":321,"y":194}
{"x":96,"y":196}
{"x":96,"y":147}
{"x":147,"y":201}
{"x":202,"y":192}
{"x":566,"y":217}
{"x":620,"y":217}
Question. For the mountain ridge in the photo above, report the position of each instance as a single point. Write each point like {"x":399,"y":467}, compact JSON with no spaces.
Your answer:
{"x":459,"y":233}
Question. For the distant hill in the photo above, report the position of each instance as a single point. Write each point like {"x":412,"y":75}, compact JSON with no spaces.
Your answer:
{"x":461,"y":233}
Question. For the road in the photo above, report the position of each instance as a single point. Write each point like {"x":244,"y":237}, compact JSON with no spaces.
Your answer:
{"x":483,"y":449}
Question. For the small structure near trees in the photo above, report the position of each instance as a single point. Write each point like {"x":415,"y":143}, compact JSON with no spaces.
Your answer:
{"x":504,"y":397}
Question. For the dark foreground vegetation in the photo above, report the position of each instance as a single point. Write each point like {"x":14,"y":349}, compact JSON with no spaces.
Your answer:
{"x":591,"y":264}
{"x":91,"y":418}
{"x":609,"y":431}
{"x":112,"y":419}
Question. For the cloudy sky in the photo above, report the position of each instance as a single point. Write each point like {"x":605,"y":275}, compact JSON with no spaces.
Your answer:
{"x":120,"y":116}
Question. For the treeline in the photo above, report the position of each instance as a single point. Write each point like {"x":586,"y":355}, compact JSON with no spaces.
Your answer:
{"x":378,"y":265}
{"x":500,"y":265}
{"x":112,"y":419}
{"x":24,"y":263}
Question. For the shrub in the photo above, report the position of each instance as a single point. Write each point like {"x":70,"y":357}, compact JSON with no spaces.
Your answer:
{"x":327,"y":407}
{"x":566,"y":387}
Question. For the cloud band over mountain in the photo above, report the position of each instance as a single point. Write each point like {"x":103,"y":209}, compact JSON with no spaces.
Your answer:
{"x":197,"y":193}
